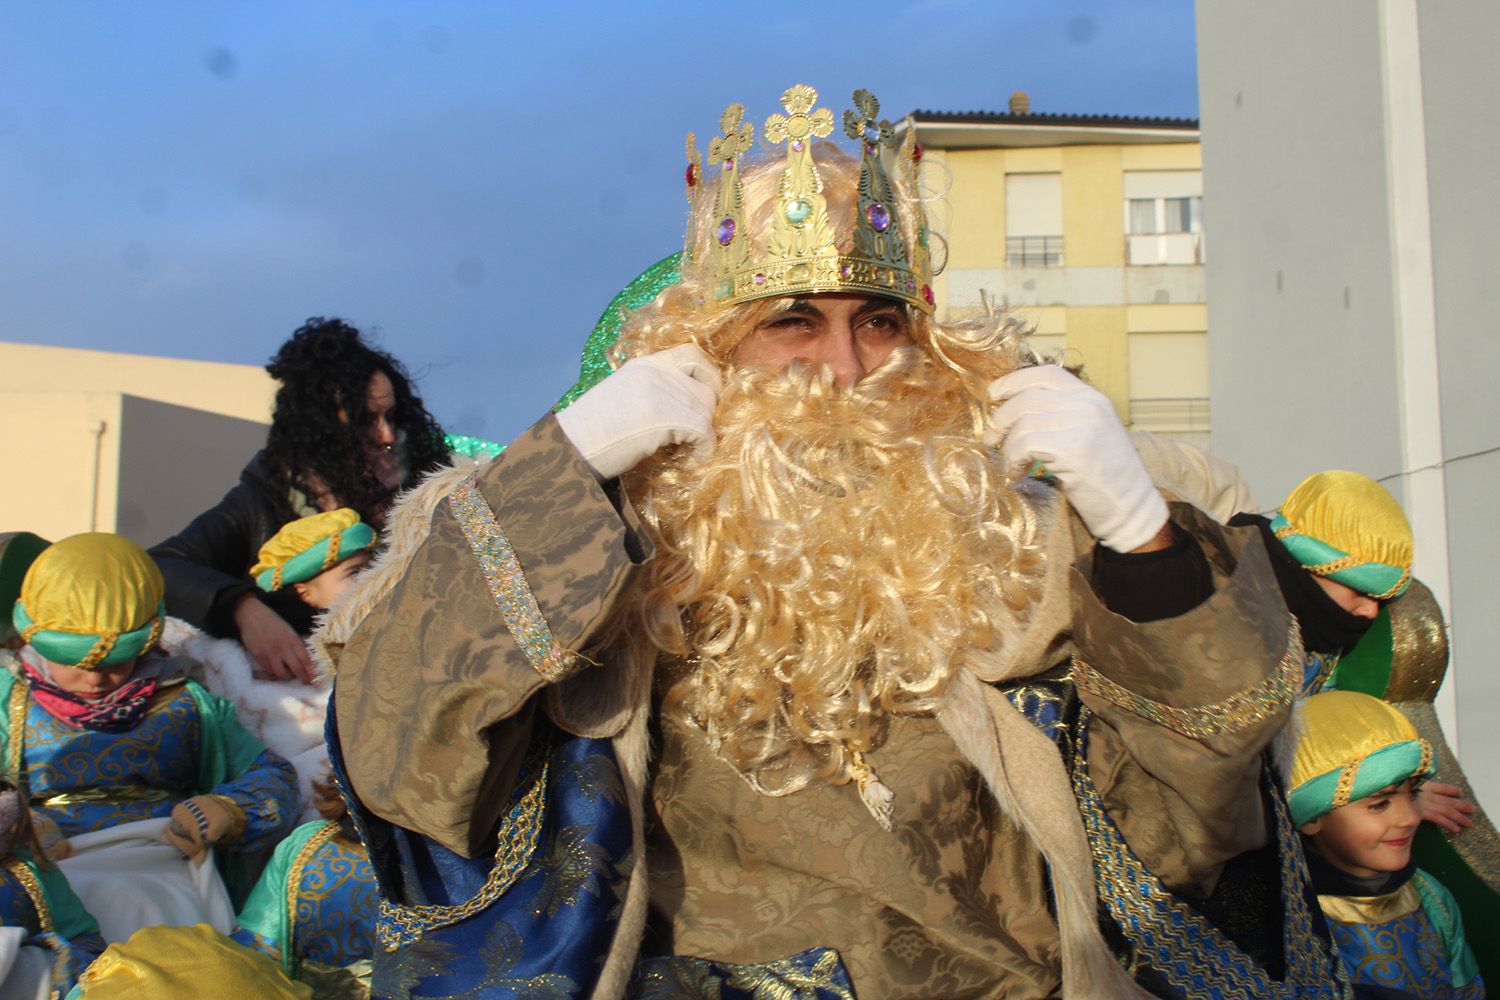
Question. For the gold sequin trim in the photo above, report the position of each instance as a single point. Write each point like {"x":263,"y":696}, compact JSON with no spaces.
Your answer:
{"x":294,"y":879}
{"x":507,"y":582}
{"x":27,"y":878}
{"x":404,"y":925}
{"x":1239,"y":711}
{"x":17,"y":715}
{"x":1345,"y":786}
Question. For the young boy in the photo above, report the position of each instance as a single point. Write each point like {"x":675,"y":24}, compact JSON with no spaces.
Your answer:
{"x":1358,"y":765}
{"x":318,"y":556}
{"x":106,"y":732}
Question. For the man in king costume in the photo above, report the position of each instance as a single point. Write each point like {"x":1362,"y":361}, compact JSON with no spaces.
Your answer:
{"x":821,"y":650}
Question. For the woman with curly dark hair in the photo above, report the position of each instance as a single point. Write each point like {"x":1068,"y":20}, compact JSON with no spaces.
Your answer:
{"x":348,"y":431}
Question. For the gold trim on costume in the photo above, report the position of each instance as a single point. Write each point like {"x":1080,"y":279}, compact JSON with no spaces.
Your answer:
{"x":507,"y":582}
{"x":294,"y":879}
{"x":18,"y":698}
{"x":1238,"y":711}
{"x":109,"y":794}
{"x":23,"y":873}
{"x":1371,"y":909}
{"x":519,"y":832}
{"x":1345,"y":785}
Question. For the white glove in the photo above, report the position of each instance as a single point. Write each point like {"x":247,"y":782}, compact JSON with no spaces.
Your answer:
{"x":651,"y":402}
{"x":1046,"y":415}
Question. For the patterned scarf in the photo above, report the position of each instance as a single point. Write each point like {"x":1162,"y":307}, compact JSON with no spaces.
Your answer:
{"x":121,"y":709}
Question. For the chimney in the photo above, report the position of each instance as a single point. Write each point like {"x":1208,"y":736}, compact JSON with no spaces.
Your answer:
{"x":1020,"y":103}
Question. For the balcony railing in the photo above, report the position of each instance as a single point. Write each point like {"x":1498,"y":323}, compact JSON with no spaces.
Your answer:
{"x":1033,"y":251}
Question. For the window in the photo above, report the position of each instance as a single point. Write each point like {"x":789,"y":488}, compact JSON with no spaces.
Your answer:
{"x":1164,"y":217}
{"x":1033,"y":220}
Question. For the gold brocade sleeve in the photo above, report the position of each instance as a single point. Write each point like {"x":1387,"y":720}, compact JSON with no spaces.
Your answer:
{"x":520,"y":565}
{"x":1184,"y":708}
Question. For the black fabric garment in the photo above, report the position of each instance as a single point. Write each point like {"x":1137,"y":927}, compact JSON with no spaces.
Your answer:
{"x":206,"y":565}
{"x":1326,"y":627}
{"x":1150,"y":586}
{"x":1330,"y":880}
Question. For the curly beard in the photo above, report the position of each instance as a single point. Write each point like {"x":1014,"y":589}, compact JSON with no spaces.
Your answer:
{"x":839,"y":557}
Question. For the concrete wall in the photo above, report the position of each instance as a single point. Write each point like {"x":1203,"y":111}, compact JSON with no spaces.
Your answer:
{"x":60,"y":454}
{"x":175,"y":463}
{"x":243,"y":391}
{"x":1348,"y":153}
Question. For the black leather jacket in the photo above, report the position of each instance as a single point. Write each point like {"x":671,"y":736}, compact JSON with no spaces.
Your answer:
{"x":207,"y":564}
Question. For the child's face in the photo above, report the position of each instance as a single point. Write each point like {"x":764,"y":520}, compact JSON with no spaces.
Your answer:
{"x":94,"y":683}
{"x":325,"y":588}
{"x":1371,"y":836}
{"x":1351,"y":600}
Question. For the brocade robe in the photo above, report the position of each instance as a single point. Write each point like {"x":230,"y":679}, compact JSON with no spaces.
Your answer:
{"x":457,"y":700}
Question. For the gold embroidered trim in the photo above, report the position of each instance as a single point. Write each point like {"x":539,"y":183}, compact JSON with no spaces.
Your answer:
{"x":1345,"y":786}
{"x":294,"y":879}
{"x":507,"y":582}
{"x":27,"y":878}
{"x":404,"y":925}
{"x":17,"y":715}
{"x":109,"y":794}
{"x":1236,"y":712}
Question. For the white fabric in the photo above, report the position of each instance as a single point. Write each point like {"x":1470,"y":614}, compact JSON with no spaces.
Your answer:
{"x":287,"y":716}
{"x":651,"y":402}
{"x":1044,"y":414}
{"x":1212,"y":484}
{"x":25,"y":970}
{"x":128,"y":878}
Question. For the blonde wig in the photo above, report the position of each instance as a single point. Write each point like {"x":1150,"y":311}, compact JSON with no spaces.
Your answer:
{"x":844,"y":551}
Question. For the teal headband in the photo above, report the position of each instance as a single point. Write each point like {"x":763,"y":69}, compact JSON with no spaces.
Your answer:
{"x":1334,"y":789}
{"x":1376,"y":579}
{"x":73,"y":650}
{"x":309,"y":563}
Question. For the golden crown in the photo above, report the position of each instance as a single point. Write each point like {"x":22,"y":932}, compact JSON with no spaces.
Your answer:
{"x":802,"y":254}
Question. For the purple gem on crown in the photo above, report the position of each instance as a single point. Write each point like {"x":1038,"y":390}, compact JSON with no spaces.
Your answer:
{"x":797,"y":146}
{"x":760,"y":279}
{"x":725,"y":232}
{"x":879,"y":216}
{"x":846,"y":270}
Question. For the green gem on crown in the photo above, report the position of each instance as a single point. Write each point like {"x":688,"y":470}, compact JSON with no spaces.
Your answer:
{"x":797,"y":212}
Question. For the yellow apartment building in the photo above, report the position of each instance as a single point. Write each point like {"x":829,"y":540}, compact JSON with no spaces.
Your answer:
{"x":1090,"y":227}
{"x":139,"y":445}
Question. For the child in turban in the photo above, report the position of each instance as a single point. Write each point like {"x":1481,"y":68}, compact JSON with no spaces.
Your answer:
{"x":1358,"y":765}
{"x":318,"y":556}
{"x":108,"y":730}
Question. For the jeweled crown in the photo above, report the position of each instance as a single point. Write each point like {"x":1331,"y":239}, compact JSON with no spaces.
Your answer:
{"x":801,"y":254}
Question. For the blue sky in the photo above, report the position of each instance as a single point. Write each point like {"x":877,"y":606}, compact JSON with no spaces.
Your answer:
{"x":470,"y":181}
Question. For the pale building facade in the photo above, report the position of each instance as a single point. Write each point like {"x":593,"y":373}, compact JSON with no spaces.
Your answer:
{"x":1350,"y":151}
{"x":139,"y":445}
{"x":1091,"y":228}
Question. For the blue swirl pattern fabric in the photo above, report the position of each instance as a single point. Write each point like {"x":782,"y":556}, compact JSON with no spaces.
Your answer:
{"x":1405,"y":953}
{"x":189,"y":743}
{"x":535,"y":919}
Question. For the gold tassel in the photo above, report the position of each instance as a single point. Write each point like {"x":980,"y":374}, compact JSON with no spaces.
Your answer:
{"x":872,"y":792}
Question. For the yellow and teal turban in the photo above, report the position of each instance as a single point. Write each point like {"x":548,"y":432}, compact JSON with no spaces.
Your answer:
{"x":307,"y":546}
{"x":1348,"y":528}
{"x":93,"y":600}
{"x":1351,"y":745}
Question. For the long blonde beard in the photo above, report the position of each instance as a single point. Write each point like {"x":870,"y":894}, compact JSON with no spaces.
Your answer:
{"x":841,"y":555}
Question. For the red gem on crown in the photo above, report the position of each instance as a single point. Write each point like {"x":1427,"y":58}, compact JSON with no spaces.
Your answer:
{"x":691,"y":175}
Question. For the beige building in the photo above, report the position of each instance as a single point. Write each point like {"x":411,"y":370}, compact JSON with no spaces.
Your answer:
{"x":1090,"y":227}
{"x":139,"y":445}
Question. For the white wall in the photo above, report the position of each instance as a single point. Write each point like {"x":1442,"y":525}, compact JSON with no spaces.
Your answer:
{"x":1349,"y":152}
